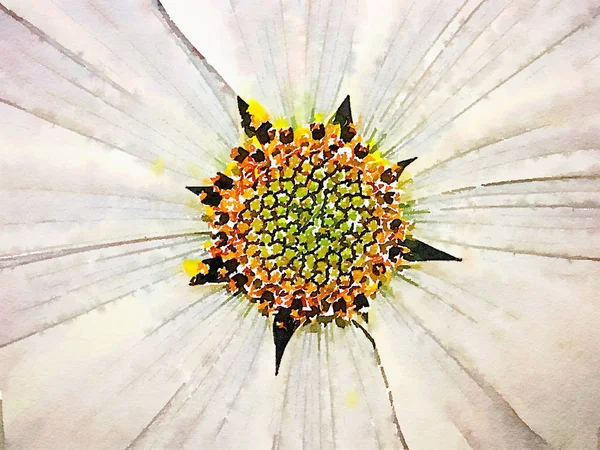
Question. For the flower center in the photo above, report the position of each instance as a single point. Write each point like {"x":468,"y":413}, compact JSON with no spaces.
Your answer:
{"x":307,"y":223}
{"x":306,"y":220}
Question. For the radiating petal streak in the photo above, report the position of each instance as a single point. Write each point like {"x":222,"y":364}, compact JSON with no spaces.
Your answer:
{"x":48,"y":119}
{"x":375,"y":100}
{"x":370,"y":94}
{"x":47,"y":273}
{"x":515,"y":181}
{"x":403,"y":143}
{"x":123,"y":270}
{"x":364,"y":393}
{"x":42,"y":255}
{"x":187,"y":308}
{"x":286,"y":393}
{"x":534,"y":156}
{"x":79,"y":314}
{"x":211,"y":320}
{"x":417,"y":99}
{"x":194,"y":54}
{"x":555,"y":206}
{"x":257,"y":331}
{"x":103,"y":99}
{"x":427,"y":70}
{"x":494,"y":223}
{"x":475,"y":74}
{"x":328,"y":369}
{"x":453,"y":307}
{"x":167,"y":80}
{"x":65,"y":51}
{"x":479,"y":146}
{"x":171,"y":404}
{"x":485,"y":386}
{"x":385,"y":382}
{"x":239,"y":390}
{"x":468,"y":292}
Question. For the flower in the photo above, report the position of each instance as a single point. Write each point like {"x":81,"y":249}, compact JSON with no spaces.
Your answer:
{"x":108,"y":109}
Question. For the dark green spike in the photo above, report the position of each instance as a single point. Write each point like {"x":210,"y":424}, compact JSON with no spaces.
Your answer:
{"x":246,"y":117}
{"x":281,"y":336}
{"x":403,"y":165}
{"x":420,"y":251}
{"x":343,"y":115}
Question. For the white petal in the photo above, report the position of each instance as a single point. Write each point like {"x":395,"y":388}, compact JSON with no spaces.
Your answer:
{"x":119,"y":76}
{"x":290,"y":56}
{"x":453,"y":74}
{"x":500,"y":349}
{"x":329,"y":394}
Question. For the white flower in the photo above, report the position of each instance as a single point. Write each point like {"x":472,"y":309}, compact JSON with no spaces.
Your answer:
{"x":108,"y":109}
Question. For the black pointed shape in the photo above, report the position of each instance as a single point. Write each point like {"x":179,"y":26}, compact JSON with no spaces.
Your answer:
{"x":284,"y":327}
{"x":213,"y":275}
{"x":360,"y":301}
{"x":343,"y":115}
{"x":197,"y":189}
{"x":262,"y":133}
{"x":239,"y":280}
{"x":258,"y":156}
{"x":212,"y":198}
{"x":360,"y":151}
{"x":402,"y":165}
{"x":318,"y":132}
{"x":246,"y":117}
{"x":286,"y":136}
{"x":223,"y":182}
{"x":240,"y":154}
{"x":420,"y":251}
{"x":231,"y":265}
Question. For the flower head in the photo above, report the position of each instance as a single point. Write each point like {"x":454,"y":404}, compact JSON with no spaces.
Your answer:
{"x":308,"y":223}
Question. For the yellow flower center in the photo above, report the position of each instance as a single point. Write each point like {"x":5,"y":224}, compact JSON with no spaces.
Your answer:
{"x":307,"y":220}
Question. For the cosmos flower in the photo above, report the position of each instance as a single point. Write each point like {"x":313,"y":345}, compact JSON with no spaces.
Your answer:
{"x":108,"y":110}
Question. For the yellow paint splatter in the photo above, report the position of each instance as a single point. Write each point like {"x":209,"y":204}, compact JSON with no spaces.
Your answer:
{"x":281,"y":122}
{"x":209,"y":211}
{"x":258,"y":113}
{"x":351,"y":398}
{"x":377,"y":158}
{"x":158,"y":166}
{"x":301,"y":131}
{"x":319,"y":117}
{"x":191,"y":267}
{"x":230,"y":168}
